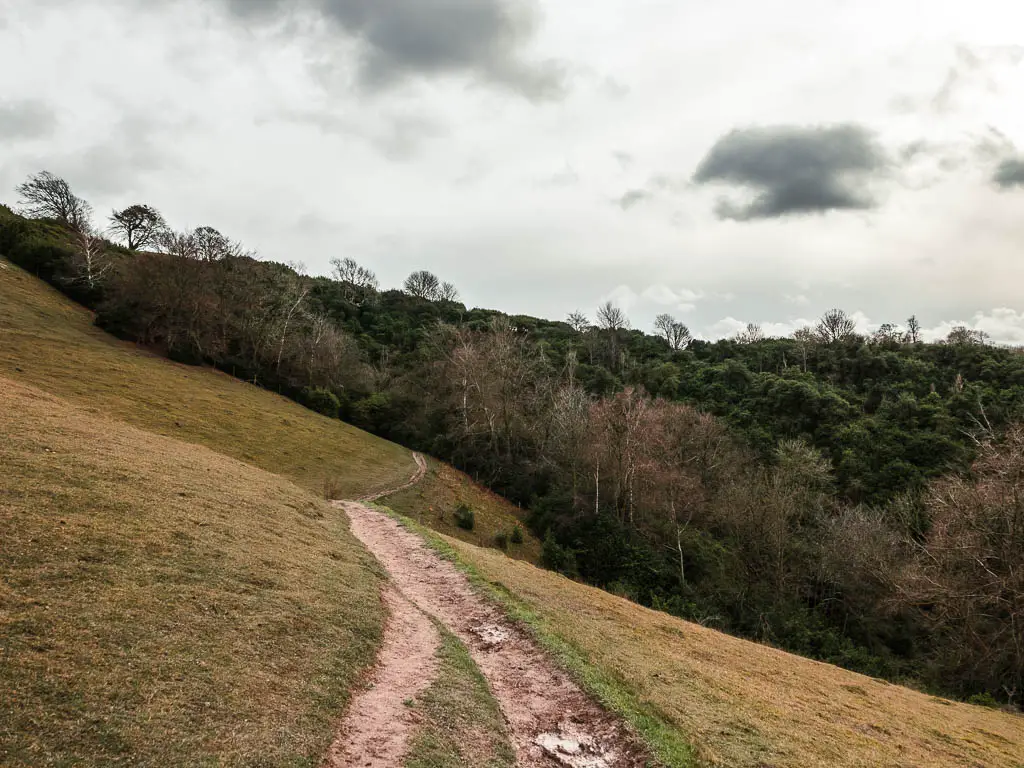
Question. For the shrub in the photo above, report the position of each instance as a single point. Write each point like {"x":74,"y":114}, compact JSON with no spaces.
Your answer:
{"x":558,"y":558}
{"x":985,"y":699}
{"x":321,"y":400}
{"x":501,"y":540}
{"x":464,"y":517}
{"x":517,"y":535}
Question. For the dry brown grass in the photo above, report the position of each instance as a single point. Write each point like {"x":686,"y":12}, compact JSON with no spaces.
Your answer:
{"x":161,"y":604}
{"x":743,"y":704}
{"x":49,"y":342}
{"x":432,"y":502}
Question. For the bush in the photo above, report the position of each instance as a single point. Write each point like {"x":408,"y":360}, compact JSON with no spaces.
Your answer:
{"x":464,"y":517}
{"x":517,"y":535}
{"x":501,"y":540}
{"x":558,"y":558}
{"x":983,"y":700}
{"x":321,"y":400}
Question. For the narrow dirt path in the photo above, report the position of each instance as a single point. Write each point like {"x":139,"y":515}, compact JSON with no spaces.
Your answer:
{"x":551,"y":721}
{"x":376,"y":731}
{"x":421,"y":470}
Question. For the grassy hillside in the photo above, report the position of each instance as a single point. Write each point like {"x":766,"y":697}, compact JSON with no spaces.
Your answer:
{"x":432,"y":502}
{"x":746,"y":705}
{"x":161,"y":602}
{"x":163,"y":596}
{"x":49,"y":342}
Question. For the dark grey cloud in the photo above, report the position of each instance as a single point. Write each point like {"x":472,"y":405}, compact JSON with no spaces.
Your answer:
{"x":794,"y":170}
{"x":26,"y":119}
{"x":402,"y":38}
{"x":1010,"y":173}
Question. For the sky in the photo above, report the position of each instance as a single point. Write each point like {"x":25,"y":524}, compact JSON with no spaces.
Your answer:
{"x":726,"y":162}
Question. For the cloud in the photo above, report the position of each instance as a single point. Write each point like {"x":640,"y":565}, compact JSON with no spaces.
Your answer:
{"x":26,"y":119}
{"x":398,"y":39}
{"x":1010,"y":173}
{"x":1002,"y":326}
{"x":632,"y":198}
{"x":397,"y":136}
{"x":794,"y":170}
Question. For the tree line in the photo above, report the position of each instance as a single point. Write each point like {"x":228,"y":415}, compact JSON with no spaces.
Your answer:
{"x":851,"y":498}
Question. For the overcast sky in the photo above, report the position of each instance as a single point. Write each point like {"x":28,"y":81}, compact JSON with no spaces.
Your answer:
{"x":726,"y":162}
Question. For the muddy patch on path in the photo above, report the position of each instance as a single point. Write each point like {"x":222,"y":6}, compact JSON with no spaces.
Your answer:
{"x":379,"y":722}
{"x":550,"y":720}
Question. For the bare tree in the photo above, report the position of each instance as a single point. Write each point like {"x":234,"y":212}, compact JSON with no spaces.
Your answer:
{"x":347,"y":270}
{"x":676,"y":333}
{"x":138,"y":226}
{"x":45,"y":195}
{"x":89,"y":262}
{"x":835,"y":326}
{"x":181,"y":244}
{"x":805,"y":339}
{"x":611,"y":317}
{"x":750,"y":335}
{"x":447,"y":292}
{"x":913,"y":334}
{"x":360,"y":283}
{"x":423,"y":285}
{"x":968,"y":576}
{"x":578,"y":321}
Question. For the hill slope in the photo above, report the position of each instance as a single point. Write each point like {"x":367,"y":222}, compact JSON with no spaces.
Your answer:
{"x":49,"y":342}
{"x":741,"y":704}
{"x":159,"y":601}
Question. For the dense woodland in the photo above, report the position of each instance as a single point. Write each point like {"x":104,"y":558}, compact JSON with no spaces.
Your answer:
{"x":856,"y":499}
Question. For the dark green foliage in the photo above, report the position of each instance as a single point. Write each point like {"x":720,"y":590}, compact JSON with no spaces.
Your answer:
{"x":464,"y":517}
{"x":558,"y":558}
{"x":516,"y":537}
{"x":320,"y":400}
{"x":501,"y":540}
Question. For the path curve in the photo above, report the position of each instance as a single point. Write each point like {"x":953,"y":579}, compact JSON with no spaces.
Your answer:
{"x":376,"y":732}
{"x":551,"y":721}
{"x":421,"y":470}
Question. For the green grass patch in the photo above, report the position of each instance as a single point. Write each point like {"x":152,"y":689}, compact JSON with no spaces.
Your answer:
{"x":462,"y":723}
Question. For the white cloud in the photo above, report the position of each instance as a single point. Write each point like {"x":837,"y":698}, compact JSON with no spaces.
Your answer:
{"x":1002,"y":325}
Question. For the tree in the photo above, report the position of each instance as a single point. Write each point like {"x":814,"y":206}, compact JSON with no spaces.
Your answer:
{"x":961,"y":335}
{"x":913,"y":334}
{"x":47,"y":196}
{"x":89,"y":263}
{"x":750,"y":335}
{"x":447,"y":292}
{"x":578,"y":321}
{"x":968,"y":576}
{"x":211,"y":245}
{"x":347,"y":270}
{"x":181,"y":244}
{"x":138,"y":226}
{"x":611,"y":318}
{"x":888,"y":334}
{"x":423,"y":284}
{"x":360,"y":283}
{"x":835,"y":326}
{"x":676,"y":334}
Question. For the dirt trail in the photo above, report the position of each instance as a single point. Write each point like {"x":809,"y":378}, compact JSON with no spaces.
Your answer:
{"x":551,"y":721}
{"x":421,"y":470}
{"x":376,"y":732}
